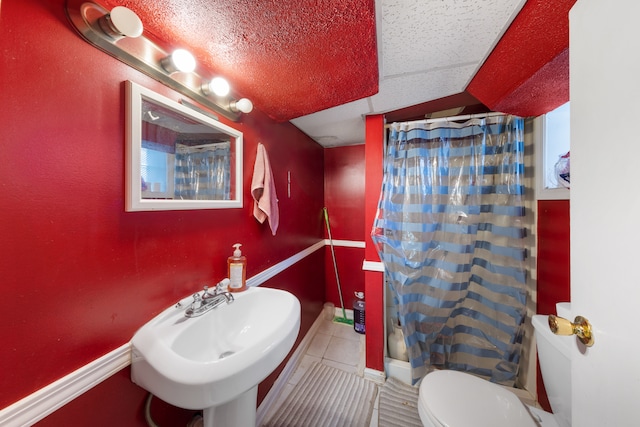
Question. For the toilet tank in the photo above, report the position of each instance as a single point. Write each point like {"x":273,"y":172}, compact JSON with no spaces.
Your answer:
{"x":555,"y":365}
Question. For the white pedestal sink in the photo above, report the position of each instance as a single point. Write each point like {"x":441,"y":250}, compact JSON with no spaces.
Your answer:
{"x":216,"y":361}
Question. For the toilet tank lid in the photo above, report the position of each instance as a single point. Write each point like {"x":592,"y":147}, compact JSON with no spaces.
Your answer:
{"x":458,"y":399}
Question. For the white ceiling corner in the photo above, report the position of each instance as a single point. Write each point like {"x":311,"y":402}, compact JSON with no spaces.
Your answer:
{"x":426,"y":50}
{"x":341,"y":125}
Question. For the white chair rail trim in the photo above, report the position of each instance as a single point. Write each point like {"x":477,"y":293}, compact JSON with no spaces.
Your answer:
{"x":345,"y":243}
{"x":373,"y":266}
{"x":47,"y":400}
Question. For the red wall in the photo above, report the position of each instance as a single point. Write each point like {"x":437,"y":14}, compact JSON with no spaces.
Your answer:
{"x":344,"y":199}
{"x":79,"y":274}
{"x":553,"y":267}
{"x":353,"y":176}
{"x":374,"y":280}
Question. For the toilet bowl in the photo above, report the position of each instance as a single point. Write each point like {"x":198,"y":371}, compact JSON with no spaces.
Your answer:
{"x":452,"y":398}
{"x":456,"y":399}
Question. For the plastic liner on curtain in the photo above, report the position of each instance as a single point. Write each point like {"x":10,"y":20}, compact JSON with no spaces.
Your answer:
{"x":202,"y":172}
{"x":449,"y":230}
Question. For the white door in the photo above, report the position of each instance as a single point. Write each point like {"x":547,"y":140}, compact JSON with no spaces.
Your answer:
{"x":605,"y":209}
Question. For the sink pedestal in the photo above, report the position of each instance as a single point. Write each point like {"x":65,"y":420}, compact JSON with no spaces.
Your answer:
{"x":240,"y":412}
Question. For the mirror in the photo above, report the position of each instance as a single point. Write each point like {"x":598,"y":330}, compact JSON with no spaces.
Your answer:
{"x":179,"y":158}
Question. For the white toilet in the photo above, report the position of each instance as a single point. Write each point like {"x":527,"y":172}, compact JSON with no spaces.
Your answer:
{"x":458,"y":399}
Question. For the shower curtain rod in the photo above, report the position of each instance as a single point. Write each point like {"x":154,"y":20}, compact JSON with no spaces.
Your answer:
{"x":455,"y":118}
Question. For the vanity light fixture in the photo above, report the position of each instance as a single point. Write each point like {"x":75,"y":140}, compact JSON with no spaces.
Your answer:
{"x":218,"y":86}
{"x":119,"y":33}
{"x":242,"y":105}
{"x":121,"y":22}
{"x":180,"y":60}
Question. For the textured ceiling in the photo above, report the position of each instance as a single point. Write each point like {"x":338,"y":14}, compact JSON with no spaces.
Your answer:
{"x":431,"y":49}
{"x":428,"y":50}
{"x":324,"y":65}
{"x":527,"y":74}
{"x":290,"y":57}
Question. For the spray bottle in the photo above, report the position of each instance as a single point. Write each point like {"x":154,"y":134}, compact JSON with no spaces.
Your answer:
{"x":237,"y":270}
{"x":358,"y":312}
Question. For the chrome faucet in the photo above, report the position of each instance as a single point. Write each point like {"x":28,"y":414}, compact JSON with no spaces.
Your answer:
{"x":209,"y":300}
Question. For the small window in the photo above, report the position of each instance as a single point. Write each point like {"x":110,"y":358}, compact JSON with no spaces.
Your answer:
{"x":553,"y":146}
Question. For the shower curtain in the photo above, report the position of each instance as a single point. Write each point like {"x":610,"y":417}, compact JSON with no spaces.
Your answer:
{"x":202,"y":171}
{"x":450,"y":232}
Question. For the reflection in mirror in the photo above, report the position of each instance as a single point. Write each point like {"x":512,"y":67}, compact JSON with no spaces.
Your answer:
{"x":179,"y":158}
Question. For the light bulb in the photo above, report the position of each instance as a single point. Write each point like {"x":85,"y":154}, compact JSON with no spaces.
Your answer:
{"x":121,"y":22}
{"x":243,"y":105}
{"x":218,"y":86}
{"x":179,"y":60}
{"x":183,"y":60}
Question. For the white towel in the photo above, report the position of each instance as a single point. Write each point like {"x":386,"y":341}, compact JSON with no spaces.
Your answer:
{"x":263,"y":190}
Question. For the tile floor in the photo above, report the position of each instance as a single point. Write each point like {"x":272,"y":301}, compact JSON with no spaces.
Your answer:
{"x":336,"y":345}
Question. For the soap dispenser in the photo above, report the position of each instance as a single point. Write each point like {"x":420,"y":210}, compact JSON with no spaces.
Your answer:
{"x":237,"y":270}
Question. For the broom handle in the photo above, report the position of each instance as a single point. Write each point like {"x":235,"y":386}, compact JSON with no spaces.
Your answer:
{"x":335,"y":265}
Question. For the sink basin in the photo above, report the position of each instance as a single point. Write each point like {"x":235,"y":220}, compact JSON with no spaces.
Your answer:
{"x":212,"y":360}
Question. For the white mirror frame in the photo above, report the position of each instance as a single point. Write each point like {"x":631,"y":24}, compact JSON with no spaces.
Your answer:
{"x":133,"y":194}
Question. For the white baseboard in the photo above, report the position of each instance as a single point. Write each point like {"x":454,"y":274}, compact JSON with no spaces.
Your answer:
{"x":45,"y":401}
{"x":398,"y":369}
{"x":374,"y":375}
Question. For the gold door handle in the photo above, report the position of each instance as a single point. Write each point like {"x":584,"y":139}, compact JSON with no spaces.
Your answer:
{"x":580,"y":327}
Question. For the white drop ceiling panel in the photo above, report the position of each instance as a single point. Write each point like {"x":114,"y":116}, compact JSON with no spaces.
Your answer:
{"x":428,"y":49}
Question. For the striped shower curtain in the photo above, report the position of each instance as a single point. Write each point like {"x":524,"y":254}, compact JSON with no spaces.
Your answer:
{"x":449,"y":230}
{"x":202,"y":172}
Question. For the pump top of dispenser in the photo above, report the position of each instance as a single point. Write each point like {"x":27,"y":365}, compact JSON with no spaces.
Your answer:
{"x":237,"y":253}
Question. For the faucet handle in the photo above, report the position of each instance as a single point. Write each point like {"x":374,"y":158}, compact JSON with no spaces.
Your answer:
{"x":197,"y":301}
{"x":223,"y":286}
{"x":211,"y":292}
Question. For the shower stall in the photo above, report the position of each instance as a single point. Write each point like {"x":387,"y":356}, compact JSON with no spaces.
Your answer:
{"x":454,"y":232}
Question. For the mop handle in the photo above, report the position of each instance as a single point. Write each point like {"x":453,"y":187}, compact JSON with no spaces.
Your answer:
{"x":335,"y":265}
